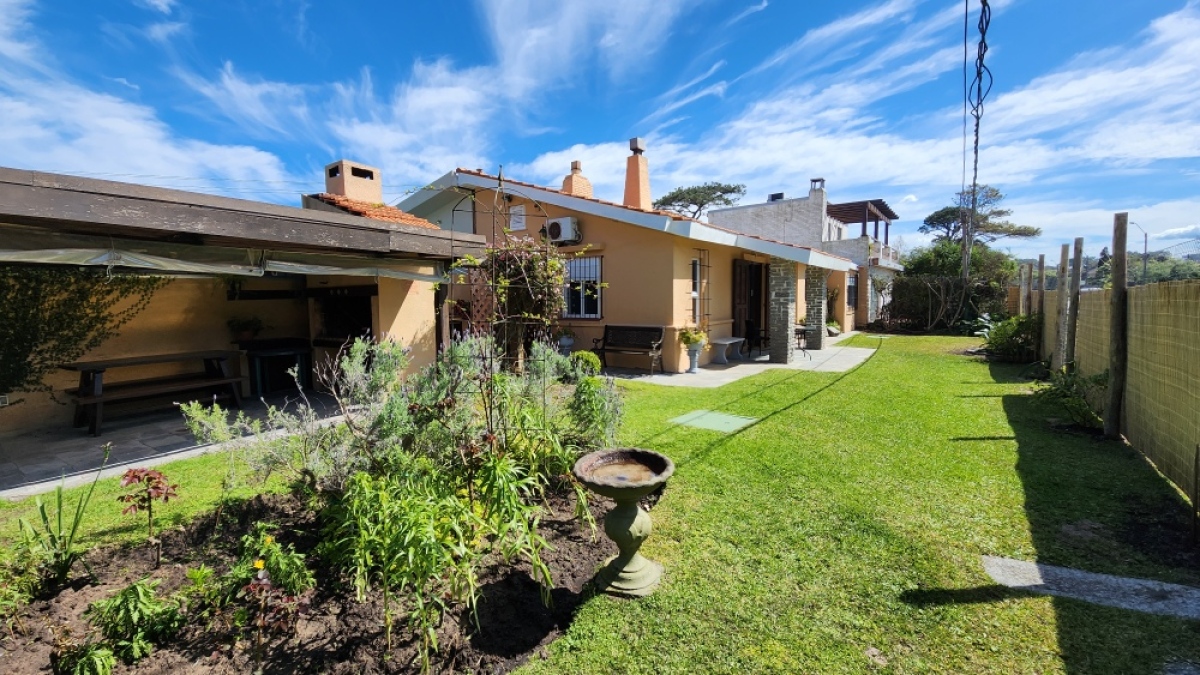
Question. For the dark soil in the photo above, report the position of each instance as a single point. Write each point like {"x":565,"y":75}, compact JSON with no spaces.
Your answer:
{"x":337,"y":634}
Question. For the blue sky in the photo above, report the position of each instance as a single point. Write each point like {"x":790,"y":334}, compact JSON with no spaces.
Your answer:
{"x":1093,"y":110}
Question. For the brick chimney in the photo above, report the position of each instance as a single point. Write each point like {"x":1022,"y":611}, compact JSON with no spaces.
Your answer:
{"x":354,"y":180}
{"x":637,"y":177}
{"x":576,"y":183}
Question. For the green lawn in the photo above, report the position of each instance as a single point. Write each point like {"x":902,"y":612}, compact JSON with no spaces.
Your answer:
{"x":848,"y":524}
{"x":842,"y":532}
{"x":199,"y":480}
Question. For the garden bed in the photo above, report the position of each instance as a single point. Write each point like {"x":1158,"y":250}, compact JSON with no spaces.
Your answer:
{"x":337,"y":634}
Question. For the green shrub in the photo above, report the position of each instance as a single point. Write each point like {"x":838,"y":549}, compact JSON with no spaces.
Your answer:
{"x":584,"y":364}
{"x":1013,"y":339}
{"x":594,"y":411}
{"x":54,"y":544}
{"x":1072,"y":392}
{"x":262,"y":551}
{"x":88,"y":658}
{"x":134,"y":620}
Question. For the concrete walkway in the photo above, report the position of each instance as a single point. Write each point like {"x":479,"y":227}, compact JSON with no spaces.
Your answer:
{"x":1141,"y":595}
{"x":832,"y":359}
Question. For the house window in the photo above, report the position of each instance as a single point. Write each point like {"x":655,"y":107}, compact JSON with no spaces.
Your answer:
{"x":699,"y":288}
{"x":852,"y":290}
{"x":583,"y":288}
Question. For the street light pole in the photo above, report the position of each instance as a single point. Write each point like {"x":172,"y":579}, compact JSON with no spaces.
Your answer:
{"x":1145,"y":252}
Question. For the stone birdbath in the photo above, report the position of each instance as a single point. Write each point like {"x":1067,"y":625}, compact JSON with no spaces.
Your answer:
{"x":625,"y":475}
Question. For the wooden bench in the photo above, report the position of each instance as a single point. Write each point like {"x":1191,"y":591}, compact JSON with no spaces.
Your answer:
{"x":92,"y":393}
{"x":630,"y":340}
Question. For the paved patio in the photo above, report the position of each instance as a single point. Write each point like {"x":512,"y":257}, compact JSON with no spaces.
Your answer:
{"x":35,"y":462}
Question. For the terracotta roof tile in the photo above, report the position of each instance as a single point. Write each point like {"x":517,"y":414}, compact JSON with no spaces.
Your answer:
{"x":669,"y":214}
{"x":382,"y":212}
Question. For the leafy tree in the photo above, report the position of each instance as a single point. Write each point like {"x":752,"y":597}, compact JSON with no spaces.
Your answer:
{"x":943,"y":258}
{"x":53,"y":315}
{"x":991,"y":224}
{"x":694,"y":201}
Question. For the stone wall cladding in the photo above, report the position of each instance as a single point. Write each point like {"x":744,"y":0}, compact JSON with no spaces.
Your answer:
{"x":814,"y":299}
{"x":782,"y":310}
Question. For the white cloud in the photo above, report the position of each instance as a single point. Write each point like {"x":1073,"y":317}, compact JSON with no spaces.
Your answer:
{"x":125,"y":83}
{"x":14,"y":25}
{"x":423,"y":128}
{"x":548,"y":43}
{"x":163,"y":31}
{"x":1189,"y":232}
{"x":52,"y":123}
{"x":828,"y":44}
{"x":1099,"y":113}
{"x":164,"y":6}
{"x":258,"y":106}
{"x":752,"y":9}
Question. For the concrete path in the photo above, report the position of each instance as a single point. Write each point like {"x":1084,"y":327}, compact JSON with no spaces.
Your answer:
{"x":1141,"y":595}
{"x":833,"y":359}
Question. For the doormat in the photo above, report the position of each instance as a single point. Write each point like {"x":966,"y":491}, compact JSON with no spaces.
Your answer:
{"x":715,"y":421}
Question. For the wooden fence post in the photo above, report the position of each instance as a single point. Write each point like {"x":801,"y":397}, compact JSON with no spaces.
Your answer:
{"x":1060,"y":317}
{"x":1118,"y":348}
{"x":1041,"y":306}
{"x":1029,"y":290}
{"x":1073,"y":317}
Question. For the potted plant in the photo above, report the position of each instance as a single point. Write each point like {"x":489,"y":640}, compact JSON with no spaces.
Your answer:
{"x":566,"y":339}
{"x":693,"y":338}
{"x":245,"y":328}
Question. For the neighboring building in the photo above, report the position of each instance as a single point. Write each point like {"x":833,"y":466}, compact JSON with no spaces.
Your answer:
{"x":314,"y":277}
{"x":638,"y":266}
{"x":813,"y":221}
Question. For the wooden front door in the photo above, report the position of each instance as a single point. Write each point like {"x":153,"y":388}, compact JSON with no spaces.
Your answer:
{"x":741,"y":297}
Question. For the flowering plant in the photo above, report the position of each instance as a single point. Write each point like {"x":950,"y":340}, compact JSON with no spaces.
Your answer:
{"x":692,"y":335}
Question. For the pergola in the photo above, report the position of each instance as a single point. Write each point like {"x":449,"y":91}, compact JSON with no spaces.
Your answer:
{"x":868,"y":211}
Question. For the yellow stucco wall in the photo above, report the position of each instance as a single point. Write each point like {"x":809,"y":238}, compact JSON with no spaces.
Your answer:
{"x":186,"y":315}
{"x":404,"y":312}
{"x":190,"y":314}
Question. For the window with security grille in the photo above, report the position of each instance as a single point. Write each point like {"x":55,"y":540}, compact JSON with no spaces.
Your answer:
{"x":583,"y":288}
{"x":852,"y":291}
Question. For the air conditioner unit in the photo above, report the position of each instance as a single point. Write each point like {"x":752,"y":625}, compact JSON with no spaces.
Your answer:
{"x":563,"y":231}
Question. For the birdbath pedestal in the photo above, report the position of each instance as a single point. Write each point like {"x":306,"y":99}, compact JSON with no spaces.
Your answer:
{"x":626,"y":475}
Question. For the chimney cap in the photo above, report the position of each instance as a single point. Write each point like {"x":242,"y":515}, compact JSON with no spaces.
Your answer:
{"x":817,"y":184}
{"x":637,"y":145}
{"x":576,"y":166}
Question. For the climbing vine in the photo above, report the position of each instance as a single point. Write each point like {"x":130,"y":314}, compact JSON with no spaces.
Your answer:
{"x":54,"y":315}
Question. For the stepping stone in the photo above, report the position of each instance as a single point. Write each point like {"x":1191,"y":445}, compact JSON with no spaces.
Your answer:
{"x":1140,"y":595}
{"x":714,"y":421}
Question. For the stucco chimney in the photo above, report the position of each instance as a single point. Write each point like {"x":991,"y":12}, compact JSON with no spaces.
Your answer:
{"x":576,"y":183}
{"x":354,"y":180}
{"x":637,"y":177}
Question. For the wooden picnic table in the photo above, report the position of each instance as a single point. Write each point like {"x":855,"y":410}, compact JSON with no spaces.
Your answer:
{"x":92,"y":393}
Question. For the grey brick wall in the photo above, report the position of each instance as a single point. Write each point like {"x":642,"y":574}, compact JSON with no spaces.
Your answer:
{"x":782,"y":308}
{"x":814,"y":300}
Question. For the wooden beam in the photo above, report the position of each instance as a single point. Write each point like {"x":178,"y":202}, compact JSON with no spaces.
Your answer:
{"x":1117,"y":346}
{"x":68,"y":203}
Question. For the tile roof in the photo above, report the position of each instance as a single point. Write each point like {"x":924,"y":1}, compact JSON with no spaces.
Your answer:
{"x":382,"y":212}
{"x":670,"y":214}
